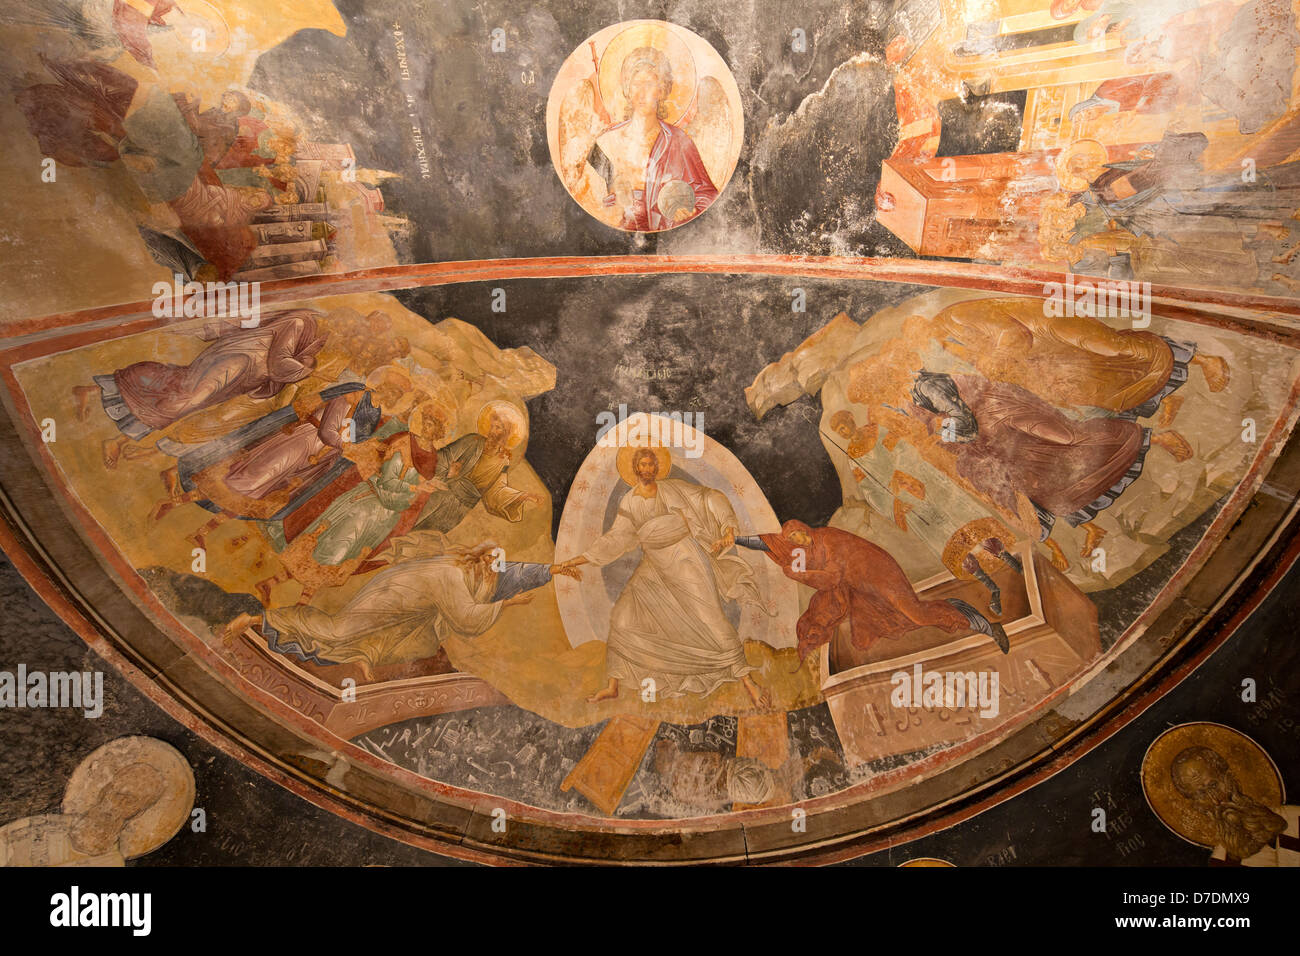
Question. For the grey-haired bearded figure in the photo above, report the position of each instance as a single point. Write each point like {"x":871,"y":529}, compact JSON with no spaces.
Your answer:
{"x":405,"y":612}
{"x":1243,"y":826}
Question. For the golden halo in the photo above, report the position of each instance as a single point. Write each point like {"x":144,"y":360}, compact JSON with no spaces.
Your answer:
{"x":389,"y":373}
{"x":660,"y":35}
{"x":511,"y":415}
{"x":424,"y":412}
{"x":1088,"y":149}
{"x":153,"y":826}
{"x":625,"y":462}
{"x":927,"y":861}
{"x":1254,"y":772}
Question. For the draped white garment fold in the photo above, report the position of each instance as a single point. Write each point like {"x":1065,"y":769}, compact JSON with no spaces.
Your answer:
{"x":669,"y":623}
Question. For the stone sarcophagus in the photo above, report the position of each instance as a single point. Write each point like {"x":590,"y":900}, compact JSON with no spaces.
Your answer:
{"x":930,"y":690}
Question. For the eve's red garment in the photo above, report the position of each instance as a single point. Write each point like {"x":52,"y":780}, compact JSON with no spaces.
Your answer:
{"x":858,"y":580}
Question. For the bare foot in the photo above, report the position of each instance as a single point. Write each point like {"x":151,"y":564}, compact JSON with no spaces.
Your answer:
{"x":762,"y":700}
{"x":901,"y":508}
{"x":238,"y":626}
{"x":83,"y":394}
{"x":136,"y":452}
{"x":171,"y":479}
{"x":161,"y":511}
{"x":1094,"y":536}
{"x":1285,"y":279}
{"x":1059,"y":560}
{"x":1169,"y":408}
{"x":609,"y":692}
{"x":1285,"y":258}
{"x":198,"y":538}
{"x":1173,"y":443}
{"x":112,"y":451}
{"x":1215,"y":369}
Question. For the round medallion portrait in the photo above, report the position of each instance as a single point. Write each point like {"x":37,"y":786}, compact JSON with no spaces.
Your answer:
{"x":645,"y":125}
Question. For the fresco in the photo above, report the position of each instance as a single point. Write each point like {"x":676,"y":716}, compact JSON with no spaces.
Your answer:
{"x":643,"y":137}
{"x":125,"y":799}
{"x":768,"y":432}
{"x":1216,"y":787}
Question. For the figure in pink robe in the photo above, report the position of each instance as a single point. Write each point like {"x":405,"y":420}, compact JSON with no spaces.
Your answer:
{"x":301,"y":452}
{"x":257,"y":362}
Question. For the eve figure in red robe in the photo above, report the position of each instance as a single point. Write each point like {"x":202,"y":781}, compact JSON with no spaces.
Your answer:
{"x":652,"y":170}
{"x":858,"y":581}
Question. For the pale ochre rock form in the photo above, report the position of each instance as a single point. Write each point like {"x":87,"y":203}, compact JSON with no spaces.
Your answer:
{"x":804,"y":370}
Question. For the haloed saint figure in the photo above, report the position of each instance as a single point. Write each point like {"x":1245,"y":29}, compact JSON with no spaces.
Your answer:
{"x":652,"y":171}
{"x":645,"y":126}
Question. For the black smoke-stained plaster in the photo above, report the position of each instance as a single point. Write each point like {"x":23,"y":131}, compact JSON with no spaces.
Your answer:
{"x":671,"y":343}
{"x":818,"y":123}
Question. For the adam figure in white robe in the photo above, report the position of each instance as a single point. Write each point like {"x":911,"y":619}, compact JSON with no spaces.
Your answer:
{"x":405,"y":612}
{"x":669,"y":625}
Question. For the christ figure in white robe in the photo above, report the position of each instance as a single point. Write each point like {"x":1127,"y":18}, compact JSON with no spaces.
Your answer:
{"x":669,"y":625}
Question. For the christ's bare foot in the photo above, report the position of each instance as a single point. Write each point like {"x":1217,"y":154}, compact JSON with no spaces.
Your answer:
{"x":238,"y":626}
{"x":609,"y":692}
{"x":762,"y":700}
{"x":1059,"y":560}
{"x":1169,"y":408}
{"x":83,"y":394}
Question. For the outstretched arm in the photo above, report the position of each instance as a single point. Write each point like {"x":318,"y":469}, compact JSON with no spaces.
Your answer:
{"x":819,"y":579}
{"x":520,"y":577}
{"x":610,"y":546}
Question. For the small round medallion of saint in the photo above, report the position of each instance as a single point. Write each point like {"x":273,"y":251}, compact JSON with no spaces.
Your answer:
{"x":645,"y":125}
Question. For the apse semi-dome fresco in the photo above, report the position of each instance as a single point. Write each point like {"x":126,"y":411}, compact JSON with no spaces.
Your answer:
{"x":582,"y":432}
